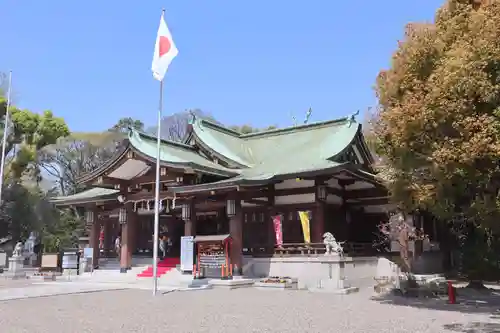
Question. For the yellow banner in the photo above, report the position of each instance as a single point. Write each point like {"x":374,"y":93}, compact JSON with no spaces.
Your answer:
{"x":304,"y":220}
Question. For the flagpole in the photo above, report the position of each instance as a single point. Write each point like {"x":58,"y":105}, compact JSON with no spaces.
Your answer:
{"x":157,"y":194}
{"x":4,"y":139}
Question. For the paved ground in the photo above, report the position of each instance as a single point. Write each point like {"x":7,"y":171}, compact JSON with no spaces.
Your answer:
{"x":243,"y":310}
{"x":8,"y":283}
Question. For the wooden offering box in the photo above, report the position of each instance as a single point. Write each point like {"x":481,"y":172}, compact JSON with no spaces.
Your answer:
{"x":212,"y":257}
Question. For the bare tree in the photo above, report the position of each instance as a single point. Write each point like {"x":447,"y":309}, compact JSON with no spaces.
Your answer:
{"x":174,"y":127}
{"x":71,"y":158}
{"x":399,"y":230}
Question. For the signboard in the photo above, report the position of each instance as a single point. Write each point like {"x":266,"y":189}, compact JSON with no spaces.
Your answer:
{"x":187,"y":253}
{"x":49,"y":260}
{"x":88,"y":252}
{"x":70,"y":260}
{"x":213,"y":260}
{"x":212,"y":255}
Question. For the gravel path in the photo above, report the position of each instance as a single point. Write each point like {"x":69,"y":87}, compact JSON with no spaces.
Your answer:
{"x":243,"y":310}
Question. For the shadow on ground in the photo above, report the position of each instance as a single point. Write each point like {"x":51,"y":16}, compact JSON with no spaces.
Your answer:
{"x":485,"y":301}
{"x":474,"y":327}
{"x":469,"y":301}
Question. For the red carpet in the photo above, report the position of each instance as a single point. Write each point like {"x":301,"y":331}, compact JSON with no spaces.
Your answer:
{"x":163,"y":267}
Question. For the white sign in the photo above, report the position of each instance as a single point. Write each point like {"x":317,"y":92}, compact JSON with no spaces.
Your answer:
{"x":187,"y":253}
{"x":88,"y":252}
{"x":69,"y":260}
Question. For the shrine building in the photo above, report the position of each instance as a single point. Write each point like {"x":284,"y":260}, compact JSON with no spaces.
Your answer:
{"x":218,"y":181}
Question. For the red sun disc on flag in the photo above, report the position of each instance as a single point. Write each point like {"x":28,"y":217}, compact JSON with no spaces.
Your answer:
{"x":164,"y":45}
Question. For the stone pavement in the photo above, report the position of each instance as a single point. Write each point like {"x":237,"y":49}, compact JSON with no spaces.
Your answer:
{"x":234,"y":311}
{"x":46,"y":289}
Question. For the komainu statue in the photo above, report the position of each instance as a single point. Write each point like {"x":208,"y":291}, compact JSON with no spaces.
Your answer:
{"x":332,"y":246}
{"x":18,"y":249}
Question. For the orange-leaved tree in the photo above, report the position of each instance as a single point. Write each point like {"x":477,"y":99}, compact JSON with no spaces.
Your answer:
{"x":437,"y":123}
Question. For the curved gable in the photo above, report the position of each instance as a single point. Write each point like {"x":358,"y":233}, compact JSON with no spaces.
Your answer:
{"x":218,"y":142}
{"x":111,"y":163}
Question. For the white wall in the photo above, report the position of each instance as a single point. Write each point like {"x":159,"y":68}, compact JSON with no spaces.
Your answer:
{"x":293,"y":183}
{"x":295,"y":199}
{"x":249,"y":204}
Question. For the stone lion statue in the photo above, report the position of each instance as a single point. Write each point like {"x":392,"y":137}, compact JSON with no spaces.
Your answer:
{"x":18,"y":249}
{"x":332,"y":246}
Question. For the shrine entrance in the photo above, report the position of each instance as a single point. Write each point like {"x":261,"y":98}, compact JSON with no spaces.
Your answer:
{"x":211,"y":224}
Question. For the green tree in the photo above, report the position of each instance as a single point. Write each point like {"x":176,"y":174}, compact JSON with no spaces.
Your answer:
{"x":247,"y":129}
{"x":63,"y":231}
{"x":438,"y":125}
{"x":28,"y":133}
{"x":124,"y":124}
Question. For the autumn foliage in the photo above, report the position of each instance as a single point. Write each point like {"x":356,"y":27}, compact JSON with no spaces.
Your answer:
{"x":438,"y":120}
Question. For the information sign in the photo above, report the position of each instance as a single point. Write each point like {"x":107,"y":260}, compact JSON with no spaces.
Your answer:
{"x":187,"y":253}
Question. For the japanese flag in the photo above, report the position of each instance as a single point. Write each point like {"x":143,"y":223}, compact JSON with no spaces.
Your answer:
{"x":165,"y":51}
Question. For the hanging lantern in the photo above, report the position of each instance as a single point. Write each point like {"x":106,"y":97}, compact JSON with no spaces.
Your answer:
{"x":89,"y":216}
{"x":122,"y":216}
{"x":231,"y":208}
{"x":186,"y":212}
{"x":321,"y":192}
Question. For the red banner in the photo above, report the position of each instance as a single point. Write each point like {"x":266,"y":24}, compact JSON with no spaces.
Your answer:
{"x":278,"y":230}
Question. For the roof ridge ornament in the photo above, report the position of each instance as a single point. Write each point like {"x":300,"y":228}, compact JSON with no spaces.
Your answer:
{"x":308,"y":115}
{"x":306,"y":119}
{"x":192,"y":117}
{"x":352,"y":118}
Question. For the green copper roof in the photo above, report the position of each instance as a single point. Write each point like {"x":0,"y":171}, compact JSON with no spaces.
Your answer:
{"x":299,"y":147}
{"x":276,"y":155}
{"x":256,"y":158}
{"x":174,"y":153}
{"x":90,"y":194}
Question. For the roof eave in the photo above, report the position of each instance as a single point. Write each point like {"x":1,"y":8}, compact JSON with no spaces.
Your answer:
{"x":229,"y":185}
{"x":62,"y":202}
{"x":215,"y":153}
{"x":188,"y":165}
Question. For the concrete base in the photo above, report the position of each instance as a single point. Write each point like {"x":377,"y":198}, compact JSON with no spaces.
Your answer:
{"x":70,"y":273}
{"x":197,"y":283}
{"x":16,"y":268}
{"x":231,"y":284}
{"x":344,"y":291}
{"x":275,"y":286}
{"x":336,"y":282}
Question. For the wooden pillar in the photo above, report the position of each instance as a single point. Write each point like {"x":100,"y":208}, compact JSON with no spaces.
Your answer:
{"x":125,"y":252}
{"x":235,"y":215}
{"x":132,"y":222}
{"x":318,"y":227}
{"x":108,"y":238}
{"x":345,"y":211}
{"x":92,"y":219}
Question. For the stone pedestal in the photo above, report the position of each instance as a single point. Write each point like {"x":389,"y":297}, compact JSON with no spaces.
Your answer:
{"x":336,"y":281}
{"x":84,"y":265}
{"x":16,"y":268}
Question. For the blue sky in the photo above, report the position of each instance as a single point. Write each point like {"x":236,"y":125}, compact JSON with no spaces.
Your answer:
{"x":244,"y":62}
